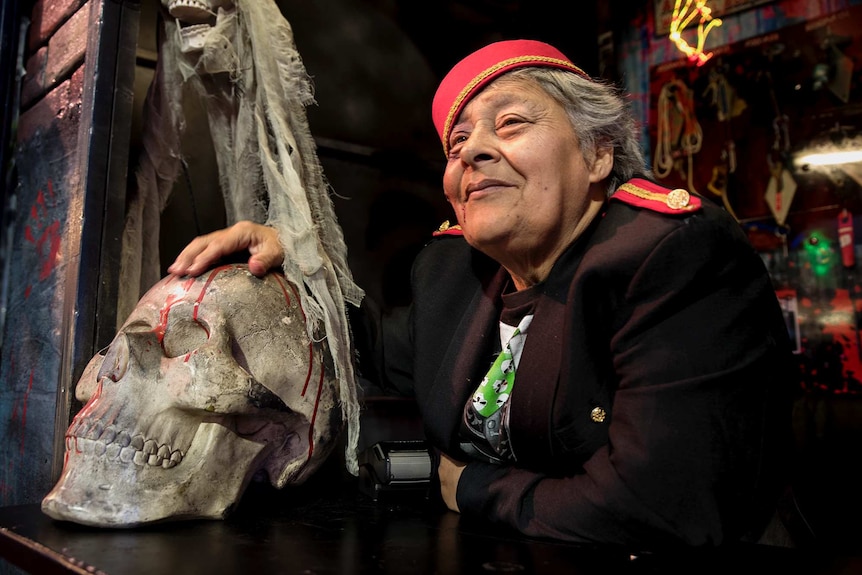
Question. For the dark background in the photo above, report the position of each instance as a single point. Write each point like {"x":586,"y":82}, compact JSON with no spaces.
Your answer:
{"x":375,"y":66}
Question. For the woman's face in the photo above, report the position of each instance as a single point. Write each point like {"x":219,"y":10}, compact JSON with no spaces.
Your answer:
{"x":516,"y":177}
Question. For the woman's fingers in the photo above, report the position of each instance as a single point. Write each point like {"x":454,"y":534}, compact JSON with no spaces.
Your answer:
{"x":204,"y":251}
{"x":266,"y":251}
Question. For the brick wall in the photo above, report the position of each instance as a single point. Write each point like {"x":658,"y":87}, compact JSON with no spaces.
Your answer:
{"x":47,"y":201}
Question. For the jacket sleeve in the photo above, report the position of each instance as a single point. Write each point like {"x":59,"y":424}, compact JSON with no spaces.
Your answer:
{"x":700,"y":420}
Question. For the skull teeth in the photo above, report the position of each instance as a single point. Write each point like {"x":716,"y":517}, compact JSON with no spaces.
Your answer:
{"x":142,"y":452}
{"x":127,"y":454}
{"x":112,"y":451}
{"x":190,"y":11}
{"x":108,"y":435}
{"x":188,"y":4}
{"x":123,"y":439}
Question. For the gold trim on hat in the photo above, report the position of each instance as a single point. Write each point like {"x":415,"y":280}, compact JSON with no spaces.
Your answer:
{"x":479,"y":78}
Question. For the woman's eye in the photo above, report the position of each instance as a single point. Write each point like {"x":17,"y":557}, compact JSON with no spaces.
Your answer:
{"x":455,"y":145}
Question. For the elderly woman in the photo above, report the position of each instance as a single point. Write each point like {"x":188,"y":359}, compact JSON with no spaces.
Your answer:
{"x":597,"y":358}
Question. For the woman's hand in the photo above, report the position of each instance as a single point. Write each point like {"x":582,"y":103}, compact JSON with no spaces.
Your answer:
{"x":449,"y":472}
{"x":203,"y":251}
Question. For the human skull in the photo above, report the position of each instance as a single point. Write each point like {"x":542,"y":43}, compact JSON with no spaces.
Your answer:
{"x":210,"y":382}
{"x":195,"y":18}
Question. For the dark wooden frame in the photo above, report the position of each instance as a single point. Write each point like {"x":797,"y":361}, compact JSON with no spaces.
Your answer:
{"x":89,"y":312}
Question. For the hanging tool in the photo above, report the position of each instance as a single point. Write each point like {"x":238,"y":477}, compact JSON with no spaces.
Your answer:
{"x":781,"y":186}
{"x":728,"y":106}
{"x":679,"y":133}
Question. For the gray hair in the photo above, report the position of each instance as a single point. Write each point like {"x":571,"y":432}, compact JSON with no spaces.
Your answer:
{"x":600,"y":115}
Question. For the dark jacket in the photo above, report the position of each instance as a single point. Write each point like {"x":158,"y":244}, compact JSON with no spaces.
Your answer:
{"x":651,"y":406}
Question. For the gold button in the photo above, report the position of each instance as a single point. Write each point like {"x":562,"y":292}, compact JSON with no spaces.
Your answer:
{"x":677,"y":199}
{"x":598,"y":414}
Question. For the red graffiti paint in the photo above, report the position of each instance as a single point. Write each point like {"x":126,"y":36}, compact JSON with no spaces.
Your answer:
{"x":23,"y":411}
{"x":44,"y":235}
{"x":7,"y":490}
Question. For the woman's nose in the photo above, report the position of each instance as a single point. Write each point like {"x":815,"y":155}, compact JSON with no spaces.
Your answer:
{"x":479,"y":146}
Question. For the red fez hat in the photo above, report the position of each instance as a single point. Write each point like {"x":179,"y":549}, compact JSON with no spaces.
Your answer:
{"x":478,"y":69}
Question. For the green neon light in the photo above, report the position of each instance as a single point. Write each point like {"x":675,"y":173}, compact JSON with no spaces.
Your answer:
{"x":820,"y":253}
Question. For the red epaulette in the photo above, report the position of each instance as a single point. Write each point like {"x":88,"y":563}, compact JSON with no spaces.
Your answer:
{"x":446,"y":229}
{"x":645,"y":194}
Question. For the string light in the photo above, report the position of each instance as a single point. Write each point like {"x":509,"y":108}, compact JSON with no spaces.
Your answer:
{"x":681,"y":18}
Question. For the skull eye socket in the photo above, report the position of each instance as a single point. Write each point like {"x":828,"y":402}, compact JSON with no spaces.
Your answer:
{"x":182,"y":337}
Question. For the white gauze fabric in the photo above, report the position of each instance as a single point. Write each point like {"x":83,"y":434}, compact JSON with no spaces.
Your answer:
{"x":256,"y":90}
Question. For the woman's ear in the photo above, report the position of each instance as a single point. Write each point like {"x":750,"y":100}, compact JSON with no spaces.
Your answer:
{"x":602,"y":164}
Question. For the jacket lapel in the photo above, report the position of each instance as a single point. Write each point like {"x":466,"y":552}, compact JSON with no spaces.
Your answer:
{"x":536,"y":381}
{"x":469,"y":355}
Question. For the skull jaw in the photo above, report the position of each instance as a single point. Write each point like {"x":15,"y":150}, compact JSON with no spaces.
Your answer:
{"x":101,"y":492}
